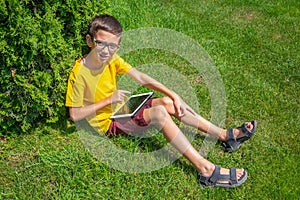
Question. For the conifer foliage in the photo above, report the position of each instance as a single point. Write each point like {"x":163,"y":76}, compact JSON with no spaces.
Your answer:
{"x":39,"y":42}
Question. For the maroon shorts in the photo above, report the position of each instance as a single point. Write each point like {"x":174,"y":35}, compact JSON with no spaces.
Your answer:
{"x":130,"y":126}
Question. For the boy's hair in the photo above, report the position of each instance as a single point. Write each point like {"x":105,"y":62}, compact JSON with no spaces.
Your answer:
{"x":104,"y":22}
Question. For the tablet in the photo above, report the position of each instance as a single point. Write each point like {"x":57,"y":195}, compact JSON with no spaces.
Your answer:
{"x":132,"y":105}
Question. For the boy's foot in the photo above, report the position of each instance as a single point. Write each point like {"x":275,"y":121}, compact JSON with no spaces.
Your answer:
{"x":238,"y":132}
{"x":236,"y":136}
{"x":221,"y":177}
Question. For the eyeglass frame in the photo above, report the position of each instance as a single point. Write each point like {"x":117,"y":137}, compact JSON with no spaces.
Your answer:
{"x":106,"y":44}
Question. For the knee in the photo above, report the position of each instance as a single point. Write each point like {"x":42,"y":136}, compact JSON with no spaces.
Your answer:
{"x":166,"y":101}
{"x":159,"y":114}
{"x":168,"y":104}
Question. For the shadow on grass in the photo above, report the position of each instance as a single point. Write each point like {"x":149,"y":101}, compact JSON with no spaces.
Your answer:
{"x":131,"y":153}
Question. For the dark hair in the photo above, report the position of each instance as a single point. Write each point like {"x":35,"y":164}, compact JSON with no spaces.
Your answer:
{"x":104,"y":22}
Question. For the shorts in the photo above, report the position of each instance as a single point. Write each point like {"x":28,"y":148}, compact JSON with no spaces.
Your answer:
{"x":126,"y":126}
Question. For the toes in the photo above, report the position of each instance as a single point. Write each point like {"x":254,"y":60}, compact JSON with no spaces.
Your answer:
{"x":239,"y":173}
{"x":249,"y":126}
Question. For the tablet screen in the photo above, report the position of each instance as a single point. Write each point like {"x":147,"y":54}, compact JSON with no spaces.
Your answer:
{"x":132,"y":105}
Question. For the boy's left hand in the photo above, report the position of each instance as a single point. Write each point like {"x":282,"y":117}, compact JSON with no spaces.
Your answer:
{"x":181,"y":107}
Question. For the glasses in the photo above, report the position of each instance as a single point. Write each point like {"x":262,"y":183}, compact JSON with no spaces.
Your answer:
{"x":111,"y":46}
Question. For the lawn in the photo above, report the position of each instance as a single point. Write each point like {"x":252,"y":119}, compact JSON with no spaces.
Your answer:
{"x":255,"y":46}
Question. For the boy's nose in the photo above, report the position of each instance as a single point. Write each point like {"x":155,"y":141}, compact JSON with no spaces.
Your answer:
{"x":105,"y":50}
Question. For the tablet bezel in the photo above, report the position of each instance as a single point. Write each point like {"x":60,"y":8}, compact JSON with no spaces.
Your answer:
{"x":130,"y":115}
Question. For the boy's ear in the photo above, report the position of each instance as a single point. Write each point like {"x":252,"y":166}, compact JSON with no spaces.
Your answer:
{"x":89,"y":40}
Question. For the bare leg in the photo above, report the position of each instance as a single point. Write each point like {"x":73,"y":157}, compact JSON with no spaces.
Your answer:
{"x":197,"y":121}
{"x":159,"y":116}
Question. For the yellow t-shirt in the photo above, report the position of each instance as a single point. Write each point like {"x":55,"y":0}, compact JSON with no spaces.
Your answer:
{"x":86,"y":87}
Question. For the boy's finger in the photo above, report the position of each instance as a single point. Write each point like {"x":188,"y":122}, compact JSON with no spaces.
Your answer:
{"x":181,"y":114}
{"x":179,"y":111}
{"x":125,"y":91}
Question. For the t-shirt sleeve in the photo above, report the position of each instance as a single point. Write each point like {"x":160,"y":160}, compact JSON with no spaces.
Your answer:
{"x":122,"y":66}
{"x":75,"y":90}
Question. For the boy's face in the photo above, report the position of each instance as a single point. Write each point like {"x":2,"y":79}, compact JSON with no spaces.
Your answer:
{"x":105,"y":44}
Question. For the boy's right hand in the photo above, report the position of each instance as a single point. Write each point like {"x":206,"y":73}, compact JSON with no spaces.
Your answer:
{"x":118,"y":96}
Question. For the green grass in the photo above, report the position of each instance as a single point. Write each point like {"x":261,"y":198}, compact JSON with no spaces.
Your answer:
{"x":255,"y":45}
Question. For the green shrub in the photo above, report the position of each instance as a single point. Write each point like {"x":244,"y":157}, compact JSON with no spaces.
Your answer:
{"x":39,"y":42}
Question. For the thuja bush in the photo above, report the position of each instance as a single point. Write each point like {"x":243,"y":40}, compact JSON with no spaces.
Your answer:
{"x":39,"y":42}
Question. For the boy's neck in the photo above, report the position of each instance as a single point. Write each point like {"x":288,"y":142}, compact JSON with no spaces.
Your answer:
{"x":91,"y":63}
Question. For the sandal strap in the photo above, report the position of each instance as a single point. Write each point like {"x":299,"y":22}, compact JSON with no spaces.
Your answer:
{"x":246,"y":131}
{"x":230,"y":134}
{"x":233,"y":179}
{"x":211,"y":180}
{"x":231,"y":142}
{"x":216,"y":177}
{"x":248,"y":134}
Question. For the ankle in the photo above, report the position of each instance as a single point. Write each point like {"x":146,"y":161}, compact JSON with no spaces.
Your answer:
{"x":207,"y":170}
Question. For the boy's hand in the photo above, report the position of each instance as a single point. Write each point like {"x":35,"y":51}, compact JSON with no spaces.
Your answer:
{"x":118,"y":96}
{"x":178,"y":106}
{"x":181,"y":107}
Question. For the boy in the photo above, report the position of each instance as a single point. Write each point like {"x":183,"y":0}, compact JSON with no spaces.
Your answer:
{"x":92,"y":91}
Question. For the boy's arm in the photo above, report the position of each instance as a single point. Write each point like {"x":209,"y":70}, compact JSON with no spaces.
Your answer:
{"x":79,"y":113}
{"x":151,"y":83}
